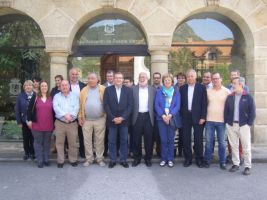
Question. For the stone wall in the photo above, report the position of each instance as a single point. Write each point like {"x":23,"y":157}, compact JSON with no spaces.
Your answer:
{"x":60,"y":20}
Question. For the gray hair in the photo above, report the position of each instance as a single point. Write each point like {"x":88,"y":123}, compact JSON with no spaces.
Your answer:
{"x":241,"y":80}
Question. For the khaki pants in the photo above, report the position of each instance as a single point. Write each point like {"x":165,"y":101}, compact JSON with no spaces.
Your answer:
{"x":235,"y":133}
{"x":71,"y":131}
{"x":98,"y":128}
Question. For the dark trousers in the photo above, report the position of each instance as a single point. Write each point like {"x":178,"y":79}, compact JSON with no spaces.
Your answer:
{"x":130,"y":131}
{"x":144,"y":127}
{"x":106,"y":143}
{"x":180,"y":141}
{"x":27,"y":140}
{"x":81,"y":142}
{"x":187,"y":138}
{"x":114,"y":132}
{"x":41,"y":144}
{"x":156,"y":137}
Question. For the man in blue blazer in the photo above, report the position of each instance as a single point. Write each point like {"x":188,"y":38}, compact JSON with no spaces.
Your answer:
{"x":118,"y":104}
{"x":194,"y":112}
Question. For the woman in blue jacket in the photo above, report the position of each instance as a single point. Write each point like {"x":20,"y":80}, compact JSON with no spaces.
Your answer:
{"x":22,"y":103}
{"x":167,"y":105}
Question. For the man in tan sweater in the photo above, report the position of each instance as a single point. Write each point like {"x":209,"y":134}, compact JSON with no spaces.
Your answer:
{"x":215,"y":121}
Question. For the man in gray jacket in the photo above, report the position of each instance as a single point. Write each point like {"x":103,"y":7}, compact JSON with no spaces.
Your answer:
{"x":143,"y":119}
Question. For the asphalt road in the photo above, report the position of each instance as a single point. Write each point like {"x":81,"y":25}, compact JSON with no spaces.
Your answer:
{"x":23,"y":180}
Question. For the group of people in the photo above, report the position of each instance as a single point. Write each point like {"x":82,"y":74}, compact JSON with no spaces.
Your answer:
{"x":103,"y":117}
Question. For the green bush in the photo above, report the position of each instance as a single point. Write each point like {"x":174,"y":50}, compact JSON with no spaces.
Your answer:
{"x":11,"y":130}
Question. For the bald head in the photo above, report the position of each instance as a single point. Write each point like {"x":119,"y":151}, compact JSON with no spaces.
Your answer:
{"x":65,"y":87}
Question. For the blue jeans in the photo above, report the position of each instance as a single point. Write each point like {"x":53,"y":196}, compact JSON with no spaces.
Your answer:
{"x":112,"y":142}
{"x":166,"y":133}
{"x":210,"y":129}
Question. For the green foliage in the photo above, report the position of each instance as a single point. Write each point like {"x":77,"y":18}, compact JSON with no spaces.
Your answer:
{"x":181,"y":60}
{"x":11,"y":130}
{"x":87,"y":64}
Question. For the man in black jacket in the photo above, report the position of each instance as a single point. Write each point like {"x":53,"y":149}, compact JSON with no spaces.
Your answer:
{"x":194,"y":112}
{"x":118,"y":103}
{"x":239,"y":115}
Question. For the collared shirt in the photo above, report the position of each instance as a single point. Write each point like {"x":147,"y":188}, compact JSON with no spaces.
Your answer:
{"x":109,"y":84}
{"x":75,"y":88}
{"x":66,"y":104}
{"x":210,"y":85}
{"x":143,"y":99}
{"x":118,"y":92}
{"x":190,"y":94}
{"x":236,"y":111}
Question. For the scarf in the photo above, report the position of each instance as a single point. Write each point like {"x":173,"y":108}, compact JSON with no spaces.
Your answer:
{"x":168,"y":93}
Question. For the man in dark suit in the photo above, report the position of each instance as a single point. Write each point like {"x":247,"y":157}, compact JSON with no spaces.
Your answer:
{"x":76,"y":86}
{"x":109,"y":82}
{"x":118,"y":105}
{"x":143,"y":119}
{"x":194,"y":112}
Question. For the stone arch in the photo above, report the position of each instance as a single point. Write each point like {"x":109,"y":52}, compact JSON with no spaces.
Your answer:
{"x":91,"y":15}
{"x":4,"y":11}
{"x":232,"y":20}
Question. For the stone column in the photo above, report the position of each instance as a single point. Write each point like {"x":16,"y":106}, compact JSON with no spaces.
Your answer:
{"x":159,"y":61}
{"x":58,"y":65}
{"x":256,"y":80}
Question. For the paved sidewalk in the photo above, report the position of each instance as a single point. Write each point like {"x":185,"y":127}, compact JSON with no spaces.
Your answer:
{"x":13,"y":151}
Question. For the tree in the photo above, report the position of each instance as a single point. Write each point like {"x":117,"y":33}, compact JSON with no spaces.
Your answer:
{"x":181,"y":60}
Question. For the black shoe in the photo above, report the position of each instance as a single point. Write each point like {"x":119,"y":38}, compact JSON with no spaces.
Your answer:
{"x":187,"y":163}
{"x":206,"y":164}
{"x":111,"y":164}
{"x":148,"y":163}
{"x":229,"y":159}
{"x":199,"y":164}
{"x":74,"y":164}
{"x":241,"y":161}
{"x":135,"y":163}
{"x":125,"y":164}
{"x":223,"y":167}
{"x":26,"y":157}
{"x":82,"y":155}
{"x":246,"y":171}
{"x":40,"y":165}
{"x":234,"y":168}
{"x":32,"y":157}
{"x":47,"y":164}
{"x":60,"y":165}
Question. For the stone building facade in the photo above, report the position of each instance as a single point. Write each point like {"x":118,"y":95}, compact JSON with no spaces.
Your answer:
{"x":60,"y":20}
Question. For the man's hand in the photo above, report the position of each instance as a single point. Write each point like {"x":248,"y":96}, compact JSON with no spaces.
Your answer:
{"x":68,"y":117}
{"x":202,"y":121}
{"x":29,"y":123}
{"x":81,"y":122}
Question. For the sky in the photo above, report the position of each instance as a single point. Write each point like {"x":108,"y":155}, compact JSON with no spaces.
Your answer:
{"x":209,"y":29}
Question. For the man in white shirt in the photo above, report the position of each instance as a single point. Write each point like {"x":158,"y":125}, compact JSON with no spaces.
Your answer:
{"x":143,"y":119}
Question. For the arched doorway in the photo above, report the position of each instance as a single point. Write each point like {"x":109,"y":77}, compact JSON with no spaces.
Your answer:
{"x":110,"y":42}
{"x":208,"y":41}
{"x":22,"y":57}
